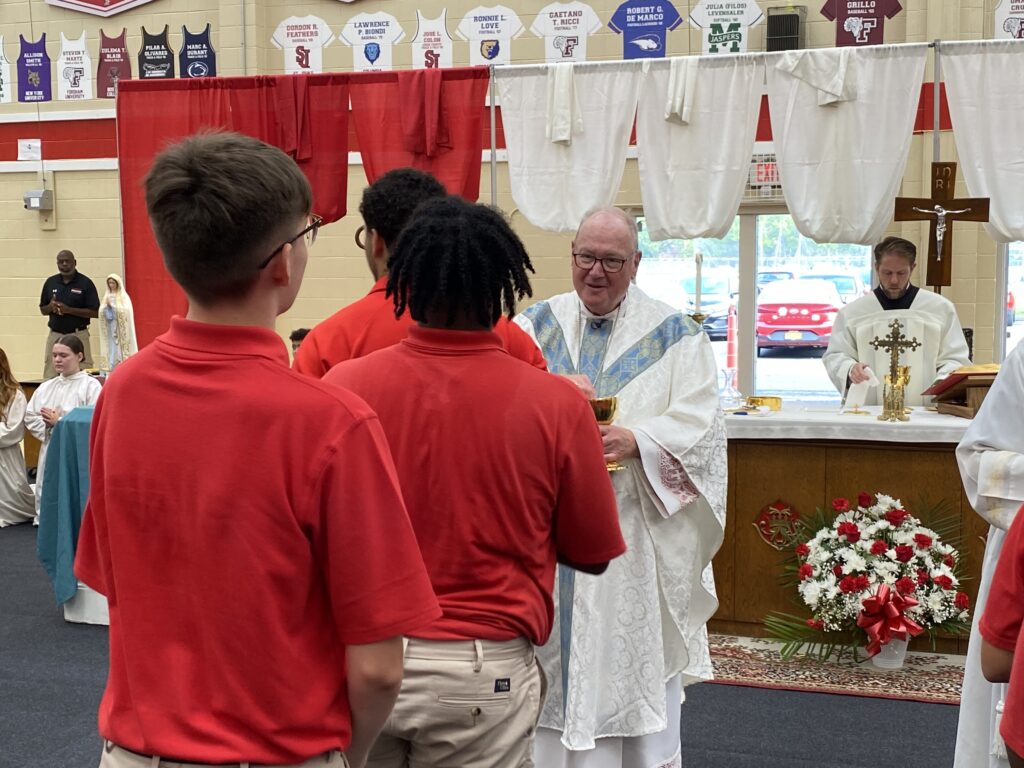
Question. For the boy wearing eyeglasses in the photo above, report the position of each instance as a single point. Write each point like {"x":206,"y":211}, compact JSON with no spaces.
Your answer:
{"x":255,"y":611}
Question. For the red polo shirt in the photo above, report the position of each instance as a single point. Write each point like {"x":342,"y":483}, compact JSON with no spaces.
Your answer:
{"x":370,"y":324}
{"x":245,"y":524}
{"x":501,"y":467}
{"x":1001,"y":625}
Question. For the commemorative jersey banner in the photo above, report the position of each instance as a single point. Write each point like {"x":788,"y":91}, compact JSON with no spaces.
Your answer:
{"x":1010,"y":20}
{"x":302,"y":38}
{"x":34,"y":71}
{"x":725,"y":26}
{"x":99,"y":7}
{"x":565,"y":28}
{"x":156,"y":62}
{"x":432,"y":45}
{"x":372,"y":37}
{"x":114,"y":64}
{"x":644,"y":26}
{"x":860,"y":22}
{"x":6,"y":84}
{"x":74,"y":70}
{"x":490,"y":32}
{"x":197,"y":57}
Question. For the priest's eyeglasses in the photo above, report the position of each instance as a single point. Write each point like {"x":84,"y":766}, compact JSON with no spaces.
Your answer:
{"x":309,"y":233}
{"x":608,"y":263}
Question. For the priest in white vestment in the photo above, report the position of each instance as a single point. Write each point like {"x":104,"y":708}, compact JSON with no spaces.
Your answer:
{"x":625,"y":643}
{"x":925,"y":316}
{"x":991,"y":458}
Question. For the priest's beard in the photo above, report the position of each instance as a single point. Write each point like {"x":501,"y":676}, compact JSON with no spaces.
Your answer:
{"x":896,"y":294}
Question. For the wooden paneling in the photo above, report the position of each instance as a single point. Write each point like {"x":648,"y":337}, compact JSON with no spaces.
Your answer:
{"x":809,"y":473}
{"x":31,"y":444}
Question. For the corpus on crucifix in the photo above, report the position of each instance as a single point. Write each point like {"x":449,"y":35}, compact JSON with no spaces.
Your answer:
{"x":899,"y":376}
{"x":941,"y":209}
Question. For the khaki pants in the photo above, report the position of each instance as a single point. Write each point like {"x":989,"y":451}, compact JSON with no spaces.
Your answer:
{"x":464,"y":704}
{"x":118,"y":757}
{"x":83,"y":335}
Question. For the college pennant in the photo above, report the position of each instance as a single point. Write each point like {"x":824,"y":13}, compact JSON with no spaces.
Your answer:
{"x":98,"y":7}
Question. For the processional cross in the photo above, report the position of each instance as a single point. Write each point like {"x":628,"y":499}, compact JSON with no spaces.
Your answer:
{"x":941,"y":209}
{"x":895,"y":343}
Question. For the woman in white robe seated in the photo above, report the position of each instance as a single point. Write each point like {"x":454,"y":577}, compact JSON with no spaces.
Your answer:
{"x":16,"y":502}
{"x":71,"y":388}
{"x":117,"y":320}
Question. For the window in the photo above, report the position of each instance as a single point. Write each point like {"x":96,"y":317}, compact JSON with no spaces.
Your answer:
{"x":1014,"y":295}
{"x":798,"y":287}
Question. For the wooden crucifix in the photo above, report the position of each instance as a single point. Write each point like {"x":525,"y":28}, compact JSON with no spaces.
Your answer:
{"x":894,"y":344}
{"x":941,"y":209}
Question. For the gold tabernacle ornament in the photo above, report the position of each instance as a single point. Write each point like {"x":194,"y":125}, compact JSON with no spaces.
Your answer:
{"x":604,"y":411}
{"x":898,"y":377}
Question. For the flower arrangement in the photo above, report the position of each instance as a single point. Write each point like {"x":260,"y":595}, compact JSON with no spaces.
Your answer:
{"x":871,"y":573}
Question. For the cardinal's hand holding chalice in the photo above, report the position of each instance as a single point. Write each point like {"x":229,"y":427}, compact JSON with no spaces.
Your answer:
{"x":619,"y":442}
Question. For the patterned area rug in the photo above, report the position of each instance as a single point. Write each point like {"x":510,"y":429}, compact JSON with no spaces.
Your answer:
{"x":929,"y":677}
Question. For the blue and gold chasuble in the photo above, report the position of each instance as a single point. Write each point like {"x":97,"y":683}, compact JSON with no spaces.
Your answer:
{"x":608,"y":380}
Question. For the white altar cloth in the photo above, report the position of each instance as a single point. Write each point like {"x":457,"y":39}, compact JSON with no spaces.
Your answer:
{"x":824,"y":423}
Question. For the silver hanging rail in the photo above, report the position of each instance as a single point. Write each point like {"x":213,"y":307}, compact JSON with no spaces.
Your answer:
{"x":494,"y":138}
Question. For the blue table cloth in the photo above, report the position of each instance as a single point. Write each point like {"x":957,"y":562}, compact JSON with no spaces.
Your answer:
{"x":63,"y":501}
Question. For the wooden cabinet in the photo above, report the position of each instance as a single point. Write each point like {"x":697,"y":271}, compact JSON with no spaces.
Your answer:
{"x":809,"y":473}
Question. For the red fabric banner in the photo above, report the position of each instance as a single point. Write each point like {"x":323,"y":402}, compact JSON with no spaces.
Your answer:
{"x":428,"y":119}
{"x":305,"y":116}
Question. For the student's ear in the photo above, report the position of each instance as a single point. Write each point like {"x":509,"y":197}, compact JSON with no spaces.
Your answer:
{"x":280,"y":267}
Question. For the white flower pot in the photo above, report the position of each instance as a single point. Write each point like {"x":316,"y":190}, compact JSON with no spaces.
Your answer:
{"x":892,"y":654}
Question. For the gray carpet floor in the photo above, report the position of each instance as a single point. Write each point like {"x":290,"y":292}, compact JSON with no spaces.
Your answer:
{"x":52,"y":675}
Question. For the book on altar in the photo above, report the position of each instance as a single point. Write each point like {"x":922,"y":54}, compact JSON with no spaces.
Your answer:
{"x":962,"y":392}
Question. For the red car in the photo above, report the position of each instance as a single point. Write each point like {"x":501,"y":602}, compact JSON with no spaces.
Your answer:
{"x":796,"y":313}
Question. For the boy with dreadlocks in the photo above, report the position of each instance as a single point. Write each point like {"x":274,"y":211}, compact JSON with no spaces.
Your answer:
{"x":503,"y":474}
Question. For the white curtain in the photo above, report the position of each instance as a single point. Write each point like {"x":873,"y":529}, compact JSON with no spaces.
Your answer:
{"x":695,"y":139}
{"x":842,"y":121}
{"x":986,"y":106}
{"x":556,"y":178}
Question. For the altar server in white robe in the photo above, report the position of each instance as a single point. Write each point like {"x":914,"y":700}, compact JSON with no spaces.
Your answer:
{"x":625,"y":643}
{"x":70,"y":388}
{"x":16,"y":502}
{"x":924,"y":315}
{"x":991,"y":458}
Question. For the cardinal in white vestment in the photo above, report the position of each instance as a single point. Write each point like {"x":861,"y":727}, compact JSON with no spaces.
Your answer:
{"x":991,"y":458}
{"x":625,"y":643}
{"x":927,"y":317}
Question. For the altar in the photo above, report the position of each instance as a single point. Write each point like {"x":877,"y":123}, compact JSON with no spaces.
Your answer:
{"x":800,"y":458}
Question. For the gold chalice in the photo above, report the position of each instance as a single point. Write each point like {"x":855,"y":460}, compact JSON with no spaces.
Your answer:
{"x":604,"y":411}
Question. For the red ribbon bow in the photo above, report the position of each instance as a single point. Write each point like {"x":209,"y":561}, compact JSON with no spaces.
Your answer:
{"x":882,"y":618}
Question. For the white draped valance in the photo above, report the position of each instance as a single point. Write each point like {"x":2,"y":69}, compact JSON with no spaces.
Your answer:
{"x":567,"y":130}
{"x":986,"y":106}
{"x":842,"y":121}
{"x":695,"y":129}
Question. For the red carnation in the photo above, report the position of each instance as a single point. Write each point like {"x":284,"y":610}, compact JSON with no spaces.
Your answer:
{"x":848,"y":584}
{"x":905,"y":585}
{"x":802,"y":549}
{"x":837,"y":570}
{"x":862,"y":582}
{"x":864,"y":499}
{"x":850,"y":531}
{"x":922,"y":540}
{"x":944,"y":581}
{"x":904,"y":553}
{"x":841,"y":504}
{"x":896,"y":517}
{"x":806,"y":571}
{"x":949,"y":560}
{"x":879,"y":547}
{"x":815,"y":623}
{"x":961,"y":601}
{"x":922,"y":576}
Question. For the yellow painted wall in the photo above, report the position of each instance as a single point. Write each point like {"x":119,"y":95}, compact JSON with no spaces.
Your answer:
{"x":87,"y":208}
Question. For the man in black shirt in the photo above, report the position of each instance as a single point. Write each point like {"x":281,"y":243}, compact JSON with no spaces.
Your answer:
{"x":70,"y":299}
